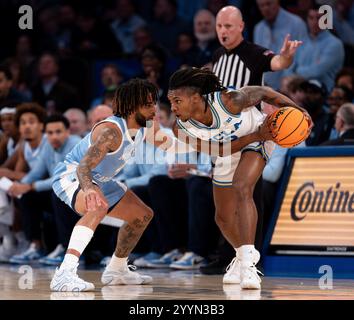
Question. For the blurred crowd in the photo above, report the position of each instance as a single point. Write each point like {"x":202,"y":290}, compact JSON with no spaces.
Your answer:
{"x":58,"y":80}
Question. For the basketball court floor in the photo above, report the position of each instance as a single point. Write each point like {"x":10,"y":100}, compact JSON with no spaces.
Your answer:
{"x":33,"y":284}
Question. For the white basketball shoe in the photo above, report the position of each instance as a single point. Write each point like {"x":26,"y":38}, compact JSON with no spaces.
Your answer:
{"x":124,"y":276}
{"x":67,"y":280}
{"x":249,"y":272}
{"x":233,"y":272}
{"x":244,"y":272}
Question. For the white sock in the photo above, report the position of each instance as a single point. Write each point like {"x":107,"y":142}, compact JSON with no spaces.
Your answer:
{"x":117,"y":263}
{"x":237,"y":250}
{"x":246,"y":252}
{"x":80,"y":238}
{"x":70,"y":261}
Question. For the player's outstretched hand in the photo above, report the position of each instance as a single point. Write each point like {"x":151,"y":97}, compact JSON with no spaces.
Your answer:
{"x":95,"y":200}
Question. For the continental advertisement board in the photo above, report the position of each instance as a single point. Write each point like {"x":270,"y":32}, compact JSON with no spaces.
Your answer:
{"x":317,"y":209}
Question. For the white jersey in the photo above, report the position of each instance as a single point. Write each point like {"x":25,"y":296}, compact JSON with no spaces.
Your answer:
{"x":226,"y":126}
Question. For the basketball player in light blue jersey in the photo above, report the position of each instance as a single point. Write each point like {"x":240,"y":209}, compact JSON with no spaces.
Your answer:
{"x":87,"y":182}
{"x":208,"y":111}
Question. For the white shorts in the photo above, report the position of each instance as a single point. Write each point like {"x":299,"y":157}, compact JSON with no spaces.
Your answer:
{"x":224,"y":167}
{"x":66,"y":186}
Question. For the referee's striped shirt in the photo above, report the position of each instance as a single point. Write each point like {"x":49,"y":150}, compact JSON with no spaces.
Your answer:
{"x":243,"y":65}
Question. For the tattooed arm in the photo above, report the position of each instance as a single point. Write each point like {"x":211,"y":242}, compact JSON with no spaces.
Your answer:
{"x":249,"y":96}
{"x":252,"y":95}
{"x":106,"y":138}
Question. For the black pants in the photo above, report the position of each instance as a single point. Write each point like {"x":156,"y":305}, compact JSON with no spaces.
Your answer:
{"x":169,"y":200}
{"x":203,"y":232}
{"x":38,"y":220}
{"x":65,"y":220}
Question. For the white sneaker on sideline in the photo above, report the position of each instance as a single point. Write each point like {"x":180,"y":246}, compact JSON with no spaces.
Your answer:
{"x":124,"y":276}
{"x":67,"y":280}
{"x":233,"y":272}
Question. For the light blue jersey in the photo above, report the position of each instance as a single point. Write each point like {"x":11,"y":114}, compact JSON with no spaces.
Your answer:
{"x":105,"y":174}
{"x":31,"y":155}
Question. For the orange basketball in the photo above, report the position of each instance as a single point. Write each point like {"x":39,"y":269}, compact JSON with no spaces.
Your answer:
{"x":290,"y":126}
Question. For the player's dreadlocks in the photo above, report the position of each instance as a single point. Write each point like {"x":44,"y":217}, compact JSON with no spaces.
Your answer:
{"x":201,"y":80}
{"x":131,"y":95}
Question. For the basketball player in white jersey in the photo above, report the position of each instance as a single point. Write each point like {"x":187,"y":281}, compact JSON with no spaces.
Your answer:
{"x":87,"y":182}
{"x":208,"y":111}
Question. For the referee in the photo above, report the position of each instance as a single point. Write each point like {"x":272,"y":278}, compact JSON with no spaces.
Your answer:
{"x":240,"y":63}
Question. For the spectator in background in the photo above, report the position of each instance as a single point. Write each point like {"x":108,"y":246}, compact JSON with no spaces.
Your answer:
{"x":98,"y":114}
{"x":11,"y":136}
{"x":345,"y":78}
{"x":289,"y":86}
{"x":47,"y":19}
{"x":165,"y":116}
{"x":314,"y":94}
{"x":301,"y":7}
{"x":338,"y":96}
{"x":108,"y":96}
{"x":24,"y":51}
{"x":153,"y":61}
{"x":51,"y":92}
{"x":8,"y":94}
{"x":206,"y":42}
{"x":187,"y":9}
{"x":214,"y":6}
{"x":18,"y":77}
{"x":78,"y":121}
{"x":93,"y":39}
{"x":37,"y":195}
{"x":344,"y":125}
{"x":166,"y":25}
{"x":185,"y":44}
{"x":29,"y":120}
{"x":111,"y":78}
{"x":341,"y":23}
{"x":271,"y":31}
{"x":321,"y":56}
{"x":126,"y":22}
{"x":67,"y":17}
{"x":142,"y":38}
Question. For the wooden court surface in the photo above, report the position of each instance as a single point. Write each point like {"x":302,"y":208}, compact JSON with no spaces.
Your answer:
{"x":167,"y":285}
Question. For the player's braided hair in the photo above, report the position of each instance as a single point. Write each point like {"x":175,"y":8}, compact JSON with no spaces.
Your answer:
{"x":201,"y":80}
{"x":131,"y":95}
